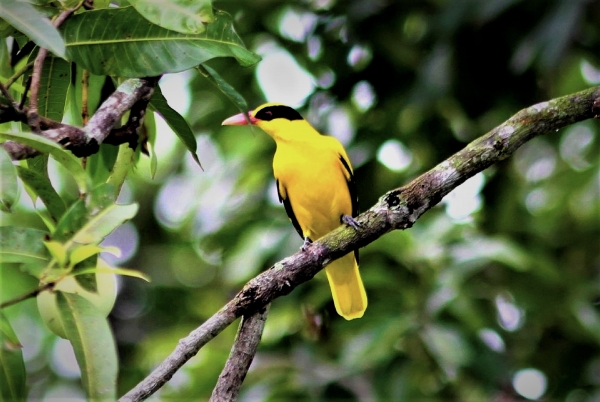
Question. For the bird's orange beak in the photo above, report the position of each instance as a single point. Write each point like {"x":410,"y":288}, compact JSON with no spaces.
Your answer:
{"x":241,"y":119}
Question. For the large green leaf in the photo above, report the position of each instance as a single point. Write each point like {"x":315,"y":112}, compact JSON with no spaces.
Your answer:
{"x":20,"y":244}
{"x":28,"y":20}
{"x":62,"y":156}
{"x":223,"y":86}
{"x":54,"y":86}
{"x":42,"y":187}
{"x":178,"y":124}
{"x":88,"y":331}
{"x":12,"y":367}
{"x":9,"y":188}
{"x":119,"y":41}
{"x":185,"y":16}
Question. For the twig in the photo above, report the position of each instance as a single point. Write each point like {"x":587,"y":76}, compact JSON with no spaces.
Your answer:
{"x":397,"y":209}
{"x":27,"y":295}
{"x":241,"y":356}
{"x":85,"y":82}
{"x":36,"y":76}
{"x":19,"y":73}
{"x":8,"y":96}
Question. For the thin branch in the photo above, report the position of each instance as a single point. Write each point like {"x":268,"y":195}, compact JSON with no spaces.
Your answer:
{"x":241,"y":356}
{"x":397,"y":209}
{"x":36,"y":76}
{"x":19,"y":73}
{"x":85,"y":82}
{"x":31,"y":294}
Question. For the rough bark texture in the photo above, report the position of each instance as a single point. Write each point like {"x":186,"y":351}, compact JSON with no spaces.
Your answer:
{"x":133,"y":94}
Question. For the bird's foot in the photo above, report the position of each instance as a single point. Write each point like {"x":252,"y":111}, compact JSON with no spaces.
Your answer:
{"x":350,"y":221}
{"x":307,"y":241}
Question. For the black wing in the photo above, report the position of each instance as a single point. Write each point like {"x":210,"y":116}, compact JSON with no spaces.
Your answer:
{"x":290,"y":212}
{"x":351,"y":187}
{"x":353,"y":193}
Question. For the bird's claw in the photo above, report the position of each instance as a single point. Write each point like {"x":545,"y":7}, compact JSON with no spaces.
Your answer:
{"x":306,"y":243}
{"x":350,"y":221}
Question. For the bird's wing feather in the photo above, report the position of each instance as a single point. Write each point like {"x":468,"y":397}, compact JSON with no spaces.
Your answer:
{"x":283,"y":198}
{"x":351,"y":185}
{"x":353,"y":191}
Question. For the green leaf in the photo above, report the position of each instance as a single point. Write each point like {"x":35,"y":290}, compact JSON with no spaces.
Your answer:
{"x":215,"y":79}
{"x":84,"y":252}
{"x":178,"y":124}
{"x":104,"y":222}
{"x":28,"y":20}
{"x":92,"y":341}
{"x":92,"y":223}
{"x":133,"y":47}
{"x":100,"y":164}
{"x":58,"y":251}
{"x":150,"y":126}
{"x":71,"y":222}
{"x":9,"y":188}
{"x":38,"y":164}
{"x":54,"y":87}
{"x":119,"y":271}
{"x":99,"y":198}
{"x":86,"y":281}
{"x":12,"y":366}
{"x":23,"y":245}
{"x":65,"y":158}
{"x":188,"y":17}
{"x":42,"y":188}
{"x":123,"y":164}
{"x":5,"y":68}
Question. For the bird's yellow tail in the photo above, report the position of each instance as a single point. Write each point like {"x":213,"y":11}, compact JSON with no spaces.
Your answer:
{"x":347,"y":289}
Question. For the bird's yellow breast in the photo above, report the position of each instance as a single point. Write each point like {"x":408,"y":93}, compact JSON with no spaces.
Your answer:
{"x":312,"y":177}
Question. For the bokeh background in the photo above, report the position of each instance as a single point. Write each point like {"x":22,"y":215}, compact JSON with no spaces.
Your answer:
{"x":492,"y":295}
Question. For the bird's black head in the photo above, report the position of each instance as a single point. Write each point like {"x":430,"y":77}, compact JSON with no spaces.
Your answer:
{"x":269,"y":112}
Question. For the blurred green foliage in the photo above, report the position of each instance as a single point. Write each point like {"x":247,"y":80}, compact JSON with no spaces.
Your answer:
{"x":503,"y":276}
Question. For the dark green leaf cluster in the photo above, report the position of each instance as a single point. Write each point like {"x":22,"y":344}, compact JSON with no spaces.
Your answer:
{"x":60,"y":63}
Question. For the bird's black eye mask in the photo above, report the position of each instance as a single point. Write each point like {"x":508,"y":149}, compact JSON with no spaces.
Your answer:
{"x":277,"y":112}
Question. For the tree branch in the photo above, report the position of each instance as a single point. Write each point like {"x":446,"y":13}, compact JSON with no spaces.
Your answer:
{"x":397,"y":209}
{"x":241,"y":356}
{"x":86,"y":141}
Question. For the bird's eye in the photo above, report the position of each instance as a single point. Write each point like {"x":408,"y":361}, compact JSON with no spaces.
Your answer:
{"x":269,"y":113}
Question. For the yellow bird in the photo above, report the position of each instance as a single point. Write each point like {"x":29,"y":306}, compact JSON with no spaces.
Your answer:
{"x":315,"y":184}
